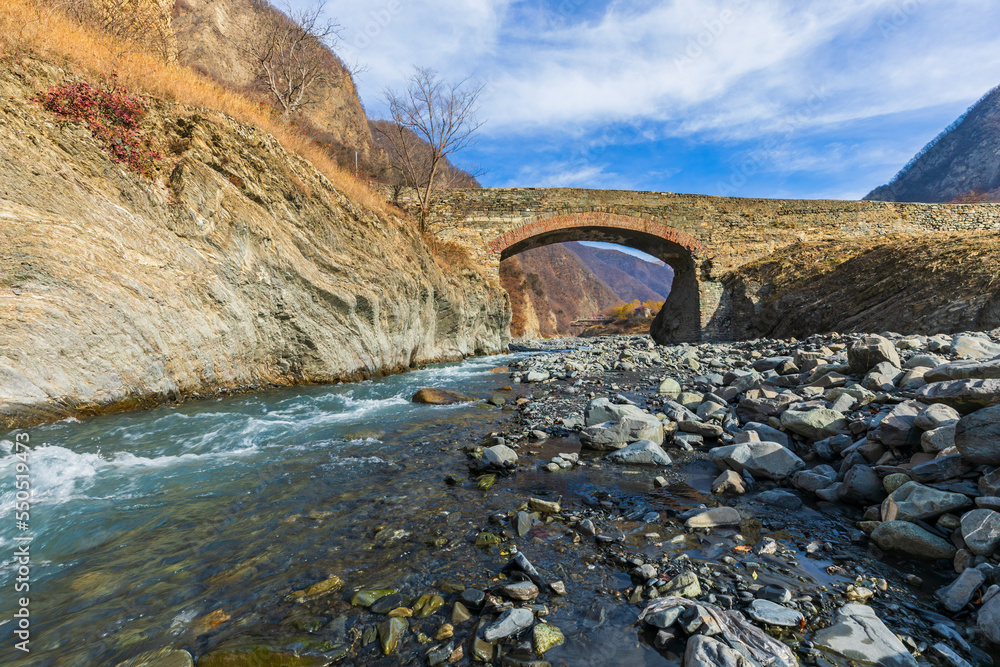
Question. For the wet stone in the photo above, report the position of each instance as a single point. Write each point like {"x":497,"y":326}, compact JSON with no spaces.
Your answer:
{"x":166,"y":657}
{"x":390,"y":632}
{"x":366,"y":597}
{"x":521,"y":590}
{"x":510,"y":623}
{"x":427,"y":604}
{"x":546,"y":636}
{"x":765,"y":611}
{"x":389,"y":602}
{"x":716,"y":517}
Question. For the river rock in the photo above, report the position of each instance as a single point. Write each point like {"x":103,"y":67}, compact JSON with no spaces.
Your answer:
{"x":520,"y":590}
{"x":602,"y":410}
{"x":165,"y":657}
{"x":536,"y":375}
{"x":981,"y":531}
{"x":772,"y":613}
{"x":860,"y":635}
{"x":813,"y":480}
{"x":728,"y":482}
{"x":940,"y":469}
{"x":816,"y":424}
{"x":546,"y":636}
{"x":702,"y":651}
{"x":643,"y":452}
{"x":862,"y":486}
{"x":431,"y":396}
{"x":615,"y":435}
{"x":869,"y":351}
{"x":915,"y":502}
{"x":762,"y":459}
{"x":768,"y":433}
{"x":964,"y":395}
{"x":684,"y":585}
{"x":714,"y":518}
{"x":390,"y":631}
{"x":977,"y":347}
{"x":899,"y":429}
{"x":510,"y":623}
{"x":911,"y":540}
{"x":989,"y":620}
{"x":938,"y":439}
{"x":779,"y":498}
{"x":499,"y":456}
{"x":936,"y":416}
{"x":669,"y":388}
{"x":977,"y":436}
{"x":964,"y":370}
{"x":989,"y":484}
{"x":959,"y":593}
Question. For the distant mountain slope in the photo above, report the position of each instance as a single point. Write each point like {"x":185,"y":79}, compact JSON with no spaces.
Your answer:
{"x":628,"y":276}
{"x":962,"y":163}
{"x":549,"y":287}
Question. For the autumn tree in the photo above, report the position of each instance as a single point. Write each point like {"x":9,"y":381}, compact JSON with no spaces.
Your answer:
{"x":428,"y":121}
{"x":290,"y":53}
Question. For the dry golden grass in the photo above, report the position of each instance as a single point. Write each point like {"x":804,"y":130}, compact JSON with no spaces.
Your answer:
{"x":29,"y":26}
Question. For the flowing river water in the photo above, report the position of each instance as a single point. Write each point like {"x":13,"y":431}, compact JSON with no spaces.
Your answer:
{"x":189,"y":526}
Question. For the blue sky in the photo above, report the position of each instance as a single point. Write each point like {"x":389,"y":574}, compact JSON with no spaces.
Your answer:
{"x":755,"y":98}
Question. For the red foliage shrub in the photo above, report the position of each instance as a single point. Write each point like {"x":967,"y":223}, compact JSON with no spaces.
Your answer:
{"x":111,"y":115}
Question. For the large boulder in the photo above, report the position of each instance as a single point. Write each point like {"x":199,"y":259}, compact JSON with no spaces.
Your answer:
{"x":981,"y":531}
{"x":702,"y":651}
{"x":977,"y":436}
{"x":899,"y":428}
{"x":432,"y":396}
{"x":816,"y":424}
{"x":601,"y":410}
{"x":499,"y":456}
{"x":977,"y":347}
{"x":860,"y":635}
{"x":964,"y":395}
{"x":670,"y":388}
{"x":989,"y":620}
{"x":862,"y":486}
{"x":869,"y":351}
{"x":643,"y":452}
{"x":916,"y":502}
{"x":615,"y":435}
{"x":963,"y":370}
{"x":762,"y":459}
{"x":909,"y":539}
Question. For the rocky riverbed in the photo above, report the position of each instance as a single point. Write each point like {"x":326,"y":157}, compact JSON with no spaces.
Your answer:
{"x":828,"y":501}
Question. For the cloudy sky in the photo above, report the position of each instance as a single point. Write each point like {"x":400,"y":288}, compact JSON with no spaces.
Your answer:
{"x":756,"y":98}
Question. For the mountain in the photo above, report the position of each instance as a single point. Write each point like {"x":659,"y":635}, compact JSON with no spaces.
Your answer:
{"x":960,"y":164}
{"x":549,"y":287}
{"x":628,"y":276}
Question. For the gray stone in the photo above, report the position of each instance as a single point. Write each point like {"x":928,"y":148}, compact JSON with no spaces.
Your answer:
{"x":860,"y":635}
{"x":615,"y":435}
{"x":536,"y":376}
{"x":701,"y":428}
{"x":937,"y":415}
{"x":925,"y":360}
{"x":702,"y":651}
{"x":977,"y":347}
{"x":762,"y":459}
{"x":643,"y":452}
{"x":780,"y":498}
{"x":965,"y":370}
{"x":989,"y":484}
{"x":813,"y":480}
{"x":728,"y":482}
{"x":981,"y":531}
{"x":915,"y":502}
{"x":685,"y":585}
{"x":989,"y":620}
{"x":869,"y":351}
{"x":940,"y":469}
{"x":964,"y":395}
{"x":911,"y":540}
{"x":769,"y":434}
{"x":665,"y":618}
{"x":862,"y":486}
{"x":510,"y":623}
{"x":715,"y":517}
{"x":499,"y":455}
{"x":938,"y":439}
{"x":601,"y":410}
{"x":898,"y":428}
{"x":977,"y":436}
{"x":815,"y":424}
{"x":520,"y":590}
{"x":959,"y":593}
{"x":771,"y":613}
{"x":669,"y":387}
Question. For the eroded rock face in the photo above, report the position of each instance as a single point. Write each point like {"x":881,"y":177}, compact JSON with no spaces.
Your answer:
{"x":237,"y":266}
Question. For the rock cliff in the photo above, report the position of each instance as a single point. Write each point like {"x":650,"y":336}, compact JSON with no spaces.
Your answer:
{"x":237,"y":265}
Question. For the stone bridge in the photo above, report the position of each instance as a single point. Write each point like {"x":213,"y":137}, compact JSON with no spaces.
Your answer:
{"x":701,"y":237}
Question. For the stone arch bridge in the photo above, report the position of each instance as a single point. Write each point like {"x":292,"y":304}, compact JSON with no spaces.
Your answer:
{"x":701,"y":237}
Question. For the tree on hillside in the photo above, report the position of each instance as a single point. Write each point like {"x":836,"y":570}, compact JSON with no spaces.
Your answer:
{"x":291,"y":53}
{"x":428,"y":121}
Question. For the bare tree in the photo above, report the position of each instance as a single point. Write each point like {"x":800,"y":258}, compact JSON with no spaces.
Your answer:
{"x":290,"y":53}
{"x":429,"y":121}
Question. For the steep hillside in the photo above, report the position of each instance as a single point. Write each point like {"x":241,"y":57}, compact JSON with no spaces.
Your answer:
{"x":549,"y":287}
{"x":236,"y":264}
{"x":928,"y":284}
{"x":207,"y":34}
{"x":626,"y":275}
{"x":962,"y":163}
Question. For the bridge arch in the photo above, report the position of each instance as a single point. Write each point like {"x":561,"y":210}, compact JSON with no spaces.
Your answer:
{"x":680,"y":319}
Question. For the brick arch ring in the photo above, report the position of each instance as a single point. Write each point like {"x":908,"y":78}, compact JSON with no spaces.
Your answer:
{"x":596,"y":219}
